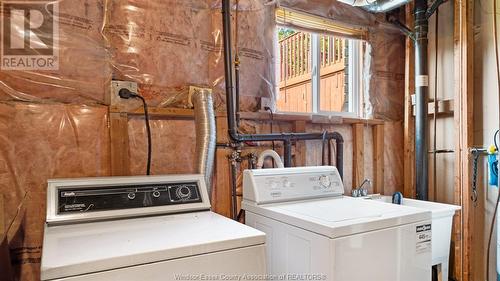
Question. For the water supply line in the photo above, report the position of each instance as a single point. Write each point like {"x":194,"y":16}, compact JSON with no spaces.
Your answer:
{"x":204,"y":117}
{"x":234,"y":134}
{"x":234,"y":160}
{"x":269,"y":153}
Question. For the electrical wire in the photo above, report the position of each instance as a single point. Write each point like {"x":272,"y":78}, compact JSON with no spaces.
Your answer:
{"x":148,"y":130}
{"x":125,"y":93}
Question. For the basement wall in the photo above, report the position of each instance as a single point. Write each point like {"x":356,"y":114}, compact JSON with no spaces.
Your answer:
{"x":485,"y":124}
{"x":442,"y":182}
{"x":59,"y":124}
{"x":443,"y":192}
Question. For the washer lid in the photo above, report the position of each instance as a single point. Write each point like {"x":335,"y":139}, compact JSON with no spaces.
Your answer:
{"x":337,"y":217}
{"x":77,"y":249}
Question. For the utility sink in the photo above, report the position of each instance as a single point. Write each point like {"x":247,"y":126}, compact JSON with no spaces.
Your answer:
{"x":442,"y":219}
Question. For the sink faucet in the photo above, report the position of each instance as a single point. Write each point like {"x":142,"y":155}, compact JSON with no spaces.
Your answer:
{"x":361,"y":190}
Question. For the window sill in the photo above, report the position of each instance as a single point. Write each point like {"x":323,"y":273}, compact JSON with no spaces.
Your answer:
{"x":310,"y":118}
{"x":260,"y":115}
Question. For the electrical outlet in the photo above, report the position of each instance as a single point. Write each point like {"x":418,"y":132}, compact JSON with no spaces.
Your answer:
{"x":119,"y":104}
{"x":117,"y":85}
{"x":266,"y":102}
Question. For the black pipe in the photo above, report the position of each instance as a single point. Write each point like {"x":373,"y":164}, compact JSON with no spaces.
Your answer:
{"x":235,"y":136}
{"x":421,"y":94}
{"x":433,"y":8}
{"x":403,"y":28}
{"x":237,"y":85}
{"x":228,"y":58}
{"x":323,"y":146}
{"x":340,"y":159}
{"x":287,"y":153}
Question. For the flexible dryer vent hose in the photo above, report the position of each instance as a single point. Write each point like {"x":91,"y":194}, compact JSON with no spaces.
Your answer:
{"x":205,"y":134}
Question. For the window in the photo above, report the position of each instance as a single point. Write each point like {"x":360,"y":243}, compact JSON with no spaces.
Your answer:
{"x":318,"y":73}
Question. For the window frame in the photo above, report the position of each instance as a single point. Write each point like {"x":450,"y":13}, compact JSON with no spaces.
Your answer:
{"x":353,"y":71}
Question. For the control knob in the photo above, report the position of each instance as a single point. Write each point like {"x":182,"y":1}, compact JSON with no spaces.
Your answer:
{"x":325,"y":181}
{"x":183,"y":192}
{"x":156,"y":194}
{"x":287,"y":183}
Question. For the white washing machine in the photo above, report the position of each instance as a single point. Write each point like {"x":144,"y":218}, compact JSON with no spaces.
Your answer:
{"x":144,"y":229}
{"x":313,"y":231}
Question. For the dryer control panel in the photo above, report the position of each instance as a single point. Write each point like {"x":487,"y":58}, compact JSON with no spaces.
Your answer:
{"x":288,"y":184}
{"x":75,"y":200}
{"x":85,"y":199}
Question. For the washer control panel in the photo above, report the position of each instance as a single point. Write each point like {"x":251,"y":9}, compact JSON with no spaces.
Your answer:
{"x":287,"y":184}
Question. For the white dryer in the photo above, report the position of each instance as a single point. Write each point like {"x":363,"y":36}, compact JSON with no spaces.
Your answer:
{"x":313,"y":232}
{"x":144,"y":228}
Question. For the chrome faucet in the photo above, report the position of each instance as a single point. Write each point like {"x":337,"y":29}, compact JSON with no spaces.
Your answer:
{"x":361,"y":190}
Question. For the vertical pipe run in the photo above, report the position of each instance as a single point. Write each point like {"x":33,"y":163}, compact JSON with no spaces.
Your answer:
{"x":237,"y":66}
{"x":237,"y":92}
{"x":234,"y":159}
{"x":288,"y":153}
{"x":228,"y":68}
{"x":339,"y":161}
{"x":234,"y":197}
{"x":421,"y":94}
{"x":232,"y":123}
{"x":436,"y":107}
